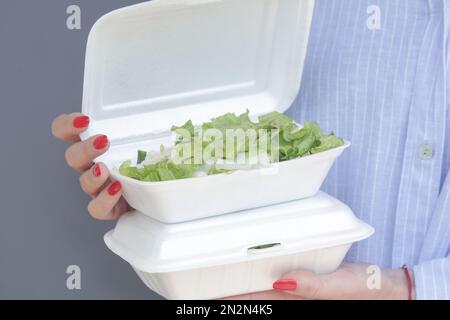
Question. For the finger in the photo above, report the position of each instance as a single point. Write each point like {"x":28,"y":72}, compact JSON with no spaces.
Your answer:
{"x":265,"y":295}
{"x":118,"y":209}
{"x":303,"y":283}
{"x":109,"y":204}
{"x":92,"y":180}
{"x":80,"y":155}
{"x":67,"y":127}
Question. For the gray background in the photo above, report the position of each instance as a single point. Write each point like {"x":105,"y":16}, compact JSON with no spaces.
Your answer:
{"x":44,"y":225}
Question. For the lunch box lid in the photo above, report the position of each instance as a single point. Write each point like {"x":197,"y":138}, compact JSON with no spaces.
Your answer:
{"x":159,"y":63}
{"x":287,"y":228}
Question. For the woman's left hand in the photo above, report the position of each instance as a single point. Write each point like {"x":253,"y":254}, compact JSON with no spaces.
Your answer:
{"x":350,"y":281}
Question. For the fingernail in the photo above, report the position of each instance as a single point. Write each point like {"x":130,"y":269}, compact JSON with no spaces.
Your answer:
{"x":81,"y":122}
{"x":100,"y":142}
{"x":285,"y":284}
{"x":114,"y":188}
{"x":96,"y":170}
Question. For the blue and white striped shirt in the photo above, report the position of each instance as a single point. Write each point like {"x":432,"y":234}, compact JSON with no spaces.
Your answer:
{"x":376,"y":73}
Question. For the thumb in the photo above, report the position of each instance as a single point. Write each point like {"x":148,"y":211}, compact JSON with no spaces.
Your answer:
{"x":302,"y":283}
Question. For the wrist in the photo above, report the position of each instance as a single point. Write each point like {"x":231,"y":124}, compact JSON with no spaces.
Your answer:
{"x":399,"y":289}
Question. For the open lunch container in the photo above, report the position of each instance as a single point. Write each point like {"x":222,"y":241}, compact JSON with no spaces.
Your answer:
{"x":239,"y":252}
{"x":161,"y":63}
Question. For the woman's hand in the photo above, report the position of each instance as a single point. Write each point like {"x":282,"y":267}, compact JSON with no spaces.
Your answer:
{"x":107,"y":202}
{"x":350,"y":281}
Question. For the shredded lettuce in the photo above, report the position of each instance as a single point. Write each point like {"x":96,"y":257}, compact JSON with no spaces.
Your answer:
{"x":161,"y":171}
{"x":293,"y":142}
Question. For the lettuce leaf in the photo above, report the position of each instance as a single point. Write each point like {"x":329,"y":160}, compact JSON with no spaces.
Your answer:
{"x":326,"y":143}
{"x":141,"y":156}
{"x":230,"y":121}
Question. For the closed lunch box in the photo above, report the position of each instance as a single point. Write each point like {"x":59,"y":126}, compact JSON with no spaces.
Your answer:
{"x":240,"y":252}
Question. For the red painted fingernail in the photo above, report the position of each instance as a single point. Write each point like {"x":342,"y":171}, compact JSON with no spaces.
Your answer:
{"x":100,"y":142}
{"x":114,"y":188}
{"x":96,"y":170}
{"x":285,"y":284}
{"x":81,"y":122}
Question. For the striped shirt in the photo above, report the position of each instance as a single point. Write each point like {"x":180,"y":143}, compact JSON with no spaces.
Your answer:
{"x":376,"y":73}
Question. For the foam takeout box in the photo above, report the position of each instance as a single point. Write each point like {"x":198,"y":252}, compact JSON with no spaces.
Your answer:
{"x":160,"y":63}
{"x":240,"y":252}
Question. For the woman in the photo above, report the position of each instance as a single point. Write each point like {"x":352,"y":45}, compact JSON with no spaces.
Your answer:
{"x":376,"y":73}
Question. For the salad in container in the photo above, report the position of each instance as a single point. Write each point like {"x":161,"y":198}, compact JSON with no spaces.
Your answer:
{"x":151,"y":67}
{"x":205,"y":174}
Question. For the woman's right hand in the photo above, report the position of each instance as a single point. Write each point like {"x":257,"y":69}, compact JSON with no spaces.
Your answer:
{"x":107,"y":202}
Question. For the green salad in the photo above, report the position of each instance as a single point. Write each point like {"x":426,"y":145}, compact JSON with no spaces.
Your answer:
{"x":227,"y":143}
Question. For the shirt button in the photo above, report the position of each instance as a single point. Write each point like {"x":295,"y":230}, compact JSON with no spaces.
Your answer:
{"x":426,"y":152}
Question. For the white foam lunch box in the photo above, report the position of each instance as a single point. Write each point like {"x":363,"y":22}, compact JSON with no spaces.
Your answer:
{"x":160,"y":63}
{"x":240,"y":252}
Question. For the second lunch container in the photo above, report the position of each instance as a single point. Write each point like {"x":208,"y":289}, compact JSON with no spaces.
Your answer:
{"x":161,"y":63}
{"x":239,"y":252}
